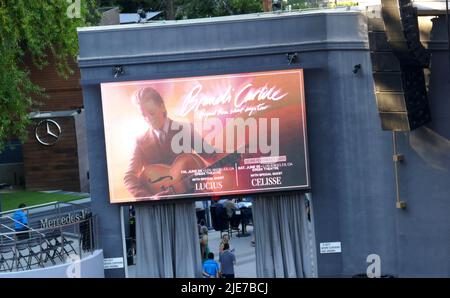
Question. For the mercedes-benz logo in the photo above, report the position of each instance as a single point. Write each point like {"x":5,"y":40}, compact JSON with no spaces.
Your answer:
{"x":47,"y":132}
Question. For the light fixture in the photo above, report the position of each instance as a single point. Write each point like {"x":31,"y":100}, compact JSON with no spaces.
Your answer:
{"x":118,"y":71}
{"x":292,"y":58}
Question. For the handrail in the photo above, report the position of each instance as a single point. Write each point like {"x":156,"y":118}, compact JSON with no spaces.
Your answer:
{"x":10,"y":238}
{"x":31,"y":207}
{"x":9,"y":228}
{"x":77,"y":204}
{"x":54,"y":203}
{"x":51,"y":246}
{"x":26,"y":226}
{"x":5,"y":226}
{"x":52,"y":228}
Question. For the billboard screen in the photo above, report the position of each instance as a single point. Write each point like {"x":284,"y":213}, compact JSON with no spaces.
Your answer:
{"x":205,"y":136}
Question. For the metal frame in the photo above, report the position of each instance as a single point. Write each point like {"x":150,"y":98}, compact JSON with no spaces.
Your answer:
{"x":46,"y":246}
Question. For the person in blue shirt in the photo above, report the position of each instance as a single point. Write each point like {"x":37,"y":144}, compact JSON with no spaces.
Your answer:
{"x":21,"y":222}
{"x":211,"y":267}
{"x":227,"y":261}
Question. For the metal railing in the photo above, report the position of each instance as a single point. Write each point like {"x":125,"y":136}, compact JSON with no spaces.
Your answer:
{"x":55,"y":206}
{"x":56,"y":236}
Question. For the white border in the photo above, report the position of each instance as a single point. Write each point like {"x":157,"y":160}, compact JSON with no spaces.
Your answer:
{"x":306,"y":186}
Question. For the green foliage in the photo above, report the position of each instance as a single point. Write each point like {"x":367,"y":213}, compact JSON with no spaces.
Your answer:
{"x":131,"y":6}
{"x":305,"y":4}
{"x":343,"y":3}
{"x":233,"y":7}
{"x":189,"y":9}
{"x":302,"y":4}
{"x":35,"y":29}
{"x":196,"y":9}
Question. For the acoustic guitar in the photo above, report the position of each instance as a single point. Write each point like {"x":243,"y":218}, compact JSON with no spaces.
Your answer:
{"x":176,"y":178}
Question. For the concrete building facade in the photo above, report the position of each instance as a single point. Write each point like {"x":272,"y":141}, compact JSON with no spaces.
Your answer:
{"x":352,"y":176}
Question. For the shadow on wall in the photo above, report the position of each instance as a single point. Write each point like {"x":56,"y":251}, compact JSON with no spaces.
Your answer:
{"x":433,"y":148}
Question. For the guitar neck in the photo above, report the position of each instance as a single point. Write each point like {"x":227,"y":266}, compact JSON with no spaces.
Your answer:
{"x":226,"y":160}
{"x":230,"y":158}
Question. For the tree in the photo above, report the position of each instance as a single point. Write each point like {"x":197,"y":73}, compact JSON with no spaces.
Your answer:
{"x":195,"y":9}
{"x":131,"y":6}
{"x":188,"y":9}
{"x":35,"y":29}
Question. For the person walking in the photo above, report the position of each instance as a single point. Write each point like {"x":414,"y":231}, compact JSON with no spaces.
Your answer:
{"x":227,"y":261}
{"x":204,"y":247}
{"x":211,"y":267}
{"x":21,"y":222}
{"x":225,"y":239}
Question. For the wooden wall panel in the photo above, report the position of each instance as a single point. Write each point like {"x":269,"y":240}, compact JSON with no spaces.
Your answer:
{"x":52,"y":167}
{"x":63,"y":94}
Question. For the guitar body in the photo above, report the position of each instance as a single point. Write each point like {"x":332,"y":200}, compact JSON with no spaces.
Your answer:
{"x":160,"y":177}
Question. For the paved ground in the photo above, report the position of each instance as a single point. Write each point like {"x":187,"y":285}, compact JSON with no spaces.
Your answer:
{"x":244,"y":251}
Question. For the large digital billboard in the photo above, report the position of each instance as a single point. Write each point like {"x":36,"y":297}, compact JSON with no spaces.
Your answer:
{"x":205,"y":136}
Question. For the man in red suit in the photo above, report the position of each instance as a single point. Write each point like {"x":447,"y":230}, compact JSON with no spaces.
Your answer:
{"x":154,"y":147}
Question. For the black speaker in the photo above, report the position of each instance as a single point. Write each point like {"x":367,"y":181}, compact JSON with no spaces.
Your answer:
{"x":398,"y":61}
{"x":402,"y":31}
{"x":402,"y":99}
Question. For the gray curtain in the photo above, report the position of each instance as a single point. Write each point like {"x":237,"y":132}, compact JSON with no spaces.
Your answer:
{"x":285,"y":245}
{"x":167,"y":241}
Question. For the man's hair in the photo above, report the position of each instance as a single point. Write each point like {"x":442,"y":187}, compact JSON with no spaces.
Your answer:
{"x":226,"y":246}
{"x":211,"y":256}
{"x":148,"y":93}
{"x":22,"y":205}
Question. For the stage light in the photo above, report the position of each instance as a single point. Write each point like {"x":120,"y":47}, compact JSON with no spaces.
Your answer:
{"x":292,"y":58}
{"x":118,"y":71}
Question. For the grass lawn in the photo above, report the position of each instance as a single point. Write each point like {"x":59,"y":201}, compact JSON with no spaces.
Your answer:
{"x":11,"y":200}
